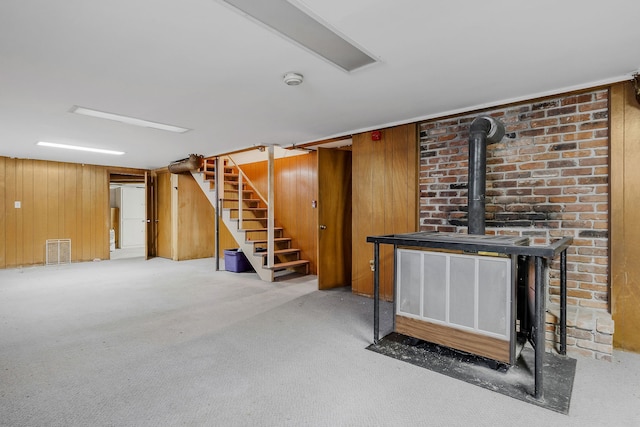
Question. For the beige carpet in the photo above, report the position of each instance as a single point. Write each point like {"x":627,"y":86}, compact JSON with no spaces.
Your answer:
{"x":161,"y":343}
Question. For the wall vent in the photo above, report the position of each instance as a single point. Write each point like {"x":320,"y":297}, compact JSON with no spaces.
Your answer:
{"x":58,"y":251}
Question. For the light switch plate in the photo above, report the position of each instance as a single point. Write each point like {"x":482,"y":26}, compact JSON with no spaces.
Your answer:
{"x":17,"y":204}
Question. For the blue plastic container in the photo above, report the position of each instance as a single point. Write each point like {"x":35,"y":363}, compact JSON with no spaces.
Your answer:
{"x":236,"y":261}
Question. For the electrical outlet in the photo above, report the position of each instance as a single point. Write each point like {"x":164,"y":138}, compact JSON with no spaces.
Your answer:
{"x":17,"y":204}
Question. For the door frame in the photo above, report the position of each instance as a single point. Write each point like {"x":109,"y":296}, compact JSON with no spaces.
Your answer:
{"x":140,"y":177}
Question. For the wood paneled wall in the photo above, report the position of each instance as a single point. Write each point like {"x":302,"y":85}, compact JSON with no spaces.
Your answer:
{"x":163,"y":215}
{"x":625,"y":216}
{"x":186,"y":220}
{"x":58,"y":201}
{"x":296,"y":187}
{"x":385,"y":200}
{"x":196,"y":221}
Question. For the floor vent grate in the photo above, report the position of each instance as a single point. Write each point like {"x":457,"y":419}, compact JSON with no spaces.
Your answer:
{"x":58,"y":251}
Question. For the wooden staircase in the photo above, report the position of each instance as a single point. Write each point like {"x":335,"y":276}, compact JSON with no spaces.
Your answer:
{"x":245,"y":213}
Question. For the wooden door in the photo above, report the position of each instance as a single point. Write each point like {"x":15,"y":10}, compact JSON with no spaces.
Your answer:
{"x":334,"y":218}
{"x":163,"y":226}
{"x":150,"y":185}
{"x":132,"y":217}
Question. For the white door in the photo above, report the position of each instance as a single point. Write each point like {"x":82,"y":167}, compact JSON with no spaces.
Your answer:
{"x":132,"y":216}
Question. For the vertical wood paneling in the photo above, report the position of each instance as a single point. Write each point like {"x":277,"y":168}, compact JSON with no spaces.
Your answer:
{"x":384,"y":201}
{"x":362,"y":218}
{"x":94,"y":220}
{"x":28,"y":231}
{"x":19,"y":216}
{"x":58,"y":201}
{"x":625,"y":216}
{"x":52,"y":200}
{"x":384,"y":181}
{"x":70,"y":218}
{"x":10,"y":214}
{"x":79,"y":201}
{"x":86,"y":206}
{"x":3,"y":228}
{"x":379,"y":199}
{"x":62,"y":201}
{"x":40,"y":206}
{"x":295,"y":188}
{"x":163,"y":195}
{"x":103,"y":213}
{"x":195,"y":221}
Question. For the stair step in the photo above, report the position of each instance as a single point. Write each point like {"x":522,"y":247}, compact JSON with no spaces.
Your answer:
{"x":249,"y":209}
{"x":236,"y":192}
{"x":256,"y":230}
{"x":262,"y":220}
{"x":290,"y":264}
{"x":278,"y":252}
{"x":244,"y":200}
{"x":277,"y":239}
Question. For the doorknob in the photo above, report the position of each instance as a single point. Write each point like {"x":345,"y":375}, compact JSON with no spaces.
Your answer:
{"x":323,"y":227}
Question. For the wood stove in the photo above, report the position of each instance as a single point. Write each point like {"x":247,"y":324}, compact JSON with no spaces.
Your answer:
{"x":425,"y":290}
{"x":460,"y":290}
{"x":460,"y":299}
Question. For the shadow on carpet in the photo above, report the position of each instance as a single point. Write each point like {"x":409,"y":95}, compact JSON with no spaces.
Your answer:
{"x":516,"y":381}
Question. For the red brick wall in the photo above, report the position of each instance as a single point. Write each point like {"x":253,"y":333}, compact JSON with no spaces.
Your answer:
{"x":546,"y":179}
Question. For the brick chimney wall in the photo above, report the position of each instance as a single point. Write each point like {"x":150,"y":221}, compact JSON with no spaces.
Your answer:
{"x":548,"y":178}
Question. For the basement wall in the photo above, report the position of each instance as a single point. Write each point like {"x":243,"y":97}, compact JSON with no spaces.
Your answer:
{"x":57,"y":201}
{"x":547,"y":179}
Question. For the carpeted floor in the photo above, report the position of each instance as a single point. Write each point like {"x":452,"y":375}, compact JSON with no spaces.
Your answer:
{"x":159,"y":343}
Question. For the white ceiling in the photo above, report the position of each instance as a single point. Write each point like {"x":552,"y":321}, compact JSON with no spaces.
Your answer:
{"x":199,"y":64}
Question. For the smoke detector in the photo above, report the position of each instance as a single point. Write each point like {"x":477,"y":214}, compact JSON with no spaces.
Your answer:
{"x":292,"y":79}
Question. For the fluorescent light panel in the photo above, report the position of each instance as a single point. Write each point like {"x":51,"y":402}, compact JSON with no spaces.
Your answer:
{"x":304,"y":30}
{"x":79,"y":148}
{"x":126,"y":119}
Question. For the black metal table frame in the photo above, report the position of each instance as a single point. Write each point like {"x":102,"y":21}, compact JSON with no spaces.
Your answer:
{"x":540,"y":254}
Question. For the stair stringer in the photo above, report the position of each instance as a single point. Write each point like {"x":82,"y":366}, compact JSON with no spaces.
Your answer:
{"x":238,"y":235}
{"x":206,"y":188}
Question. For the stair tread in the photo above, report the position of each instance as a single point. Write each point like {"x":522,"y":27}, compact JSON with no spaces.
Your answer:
{"x":277,"y":239}
{"x":278,"y":252}
{"x":248,"y":209}
{"x":250,"y":219}
{"x":244,"y":200}
{"x":260,"y":229}
{"x":283,"y":265}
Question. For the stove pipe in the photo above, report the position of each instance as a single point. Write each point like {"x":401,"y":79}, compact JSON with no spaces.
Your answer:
{"x":484,"y":130}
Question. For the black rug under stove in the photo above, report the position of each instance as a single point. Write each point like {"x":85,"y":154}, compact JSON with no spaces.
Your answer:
{"x":516,"y":381}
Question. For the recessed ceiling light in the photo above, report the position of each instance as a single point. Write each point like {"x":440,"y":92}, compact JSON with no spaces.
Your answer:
{"x":126,"y":119}
{"x":79,"y":148}
{"x":298,"y":26}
